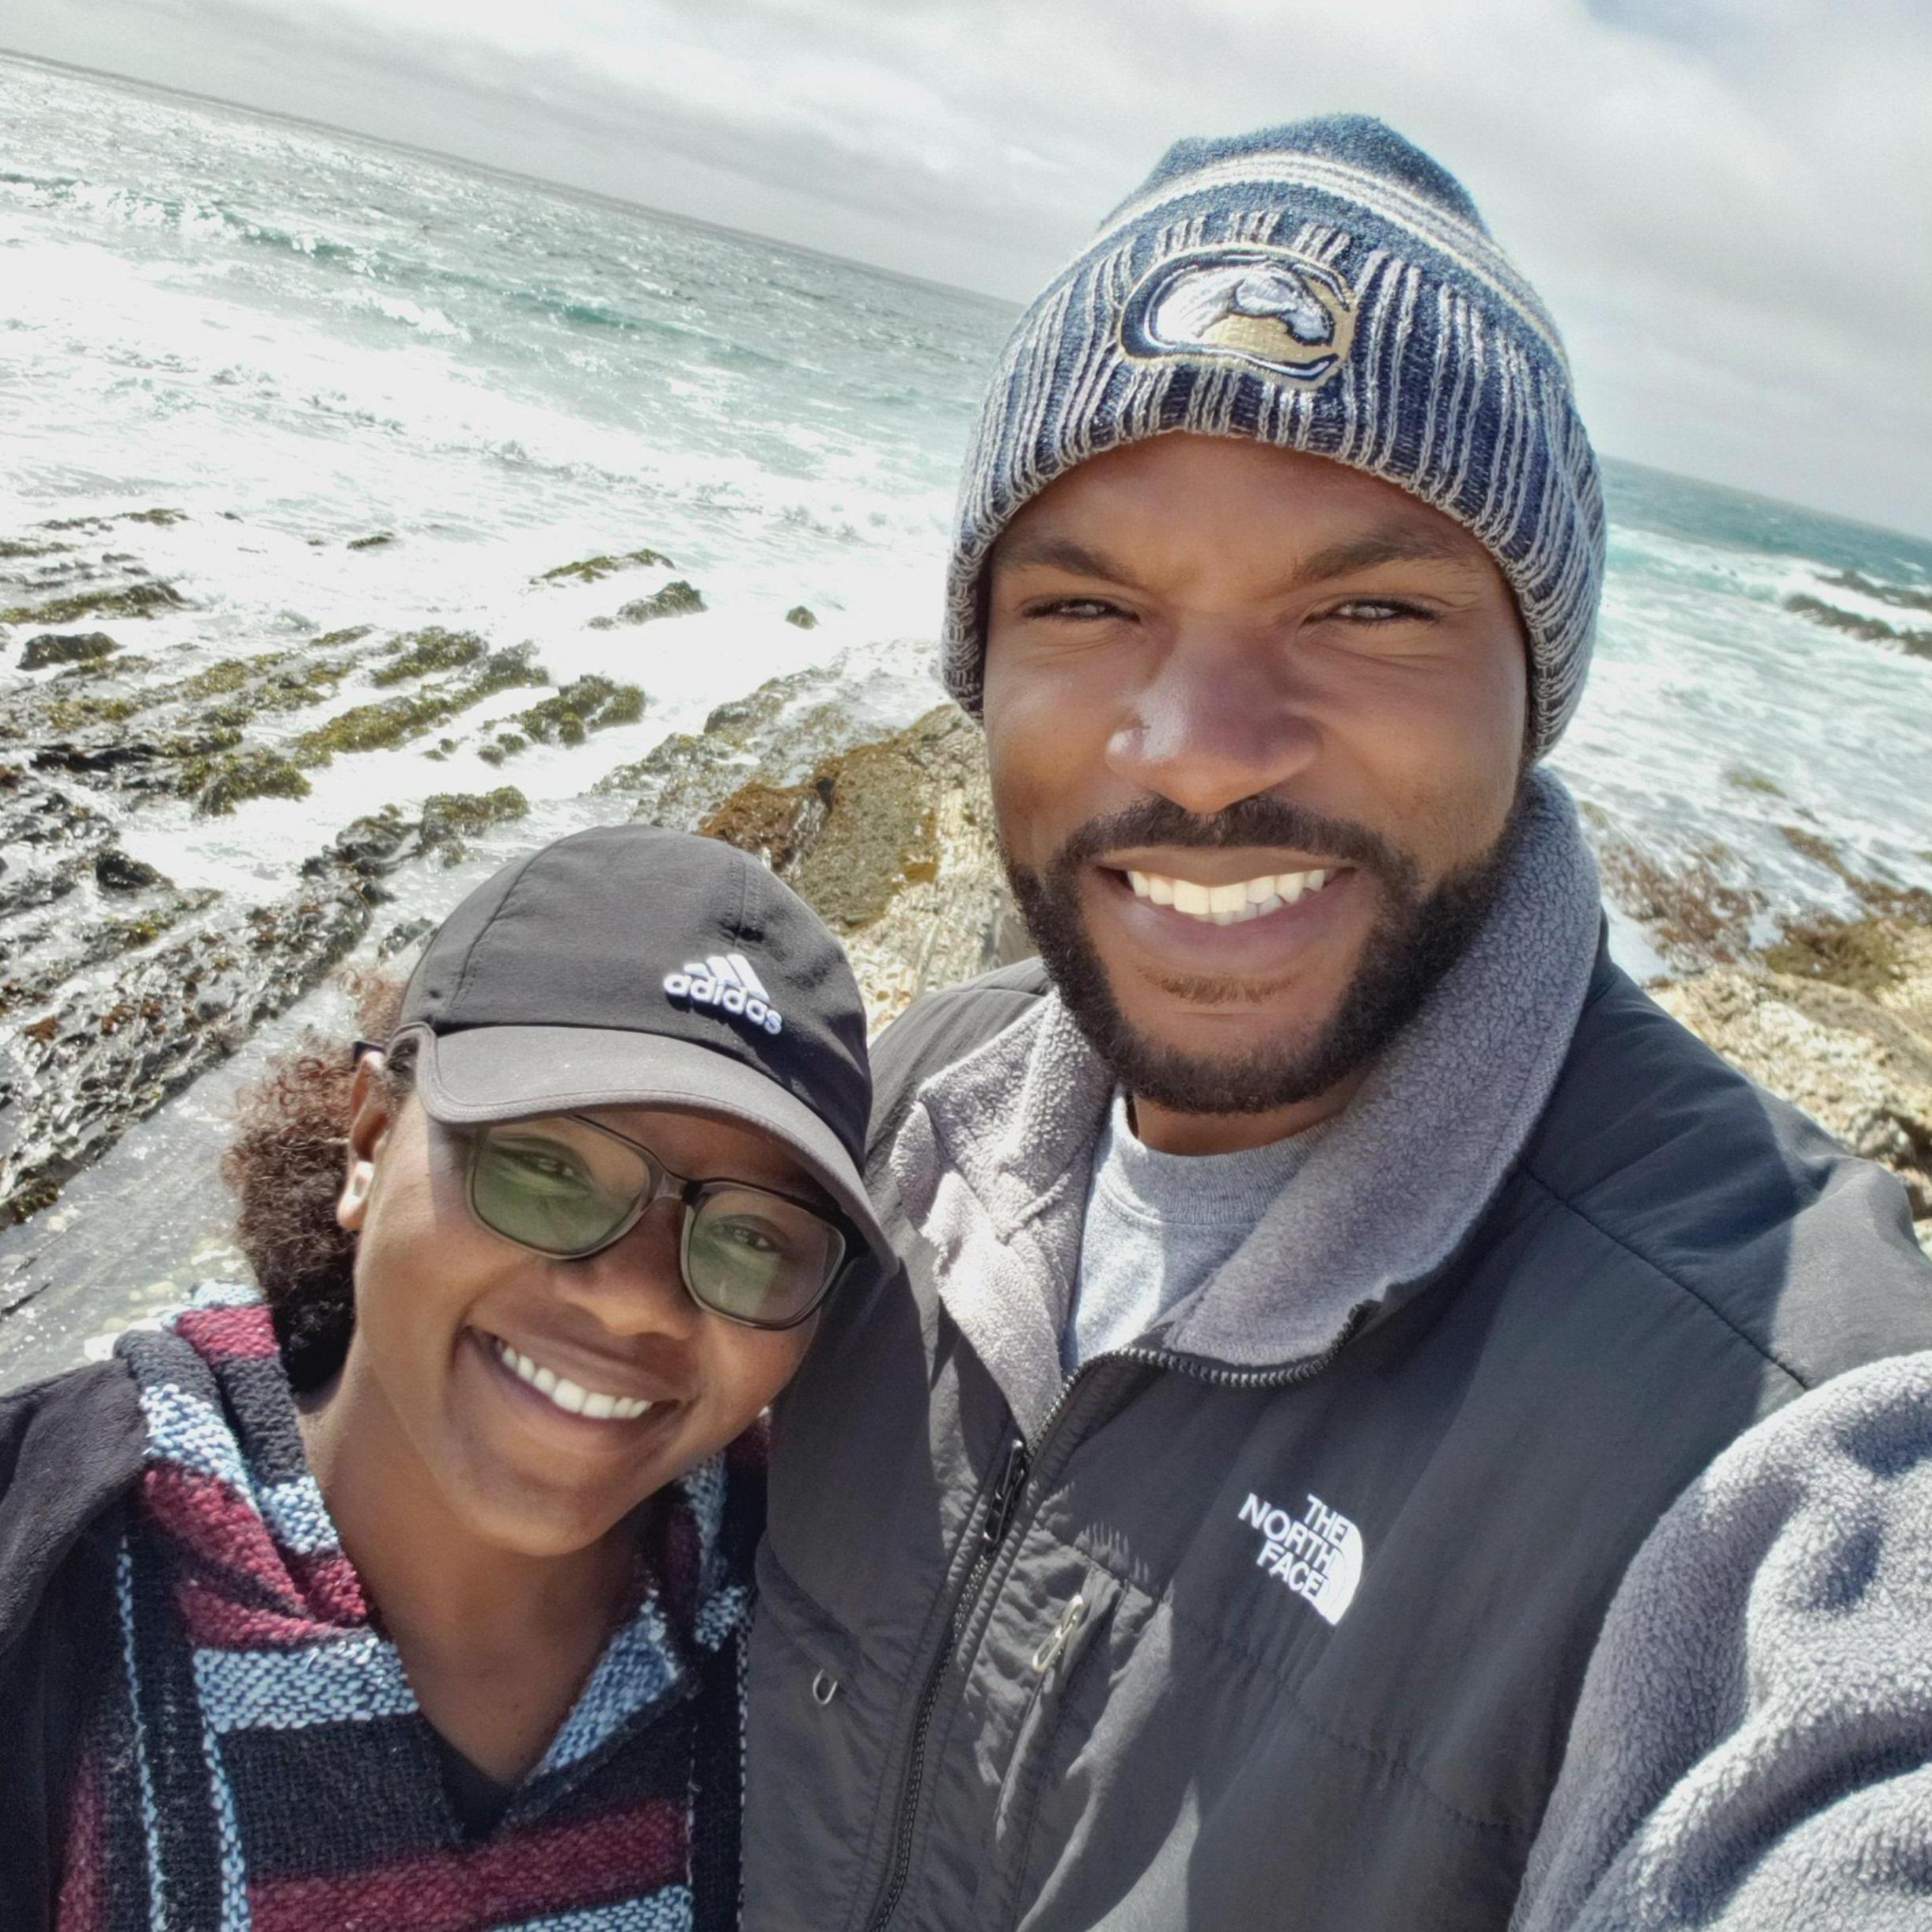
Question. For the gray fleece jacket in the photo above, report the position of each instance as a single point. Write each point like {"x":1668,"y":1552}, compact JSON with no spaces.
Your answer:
{"x":1278,"y":1616}
{"x":1753,"y":1748}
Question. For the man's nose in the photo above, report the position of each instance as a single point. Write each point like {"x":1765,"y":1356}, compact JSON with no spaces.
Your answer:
{"x":1224,"y":716}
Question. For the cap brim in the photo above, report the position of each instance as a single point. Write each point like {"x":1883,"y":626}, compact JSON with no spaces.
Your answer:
{"x":510,"y":1073}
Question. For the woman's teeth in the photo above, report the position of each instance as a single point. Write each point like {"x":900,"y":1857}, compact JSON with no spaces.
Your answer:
{"x":1229,"y":905}
{"x":569,"y":1396}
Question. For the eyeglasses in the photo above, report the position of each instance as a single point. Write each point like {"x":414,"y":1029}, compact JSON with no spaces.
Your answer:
{"x":569,"y":1187}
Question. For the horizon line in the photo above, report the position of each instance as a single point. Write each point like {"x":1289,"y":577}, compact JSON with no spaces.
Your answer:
{"x":569,"y":190}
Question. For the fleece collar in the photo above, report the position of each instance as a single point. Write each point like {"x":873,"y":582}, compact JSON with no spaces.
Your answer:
{"x":993,"y":1160}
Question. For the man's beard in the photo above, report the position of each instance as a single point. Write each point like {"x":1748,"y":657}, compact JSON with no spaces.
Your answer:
{"x":1417,"y":936}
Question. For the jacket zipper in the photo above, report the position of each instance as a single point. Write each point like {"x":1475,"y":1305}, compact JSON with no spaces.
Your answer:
{"x":1002,"y":1511}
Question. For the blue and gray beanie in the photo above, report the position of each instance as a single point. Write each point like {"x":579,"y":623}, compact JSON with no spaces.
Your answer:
{"x":1325,"y":287}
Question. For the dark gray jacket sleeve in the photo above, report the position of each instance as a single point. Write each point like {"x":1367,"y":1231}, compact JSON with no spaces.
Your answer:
{"x":1753,"y":1749}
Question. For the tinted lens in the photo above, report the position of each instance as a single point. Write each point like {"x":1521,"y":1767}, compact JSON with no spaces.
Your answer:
{"x":555,"y":1184}
{"x":759,"y":1258}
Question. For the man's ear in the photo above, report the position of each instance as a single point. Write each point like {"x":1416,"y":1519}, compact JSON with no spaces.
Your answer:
{"x":370,"y":1118}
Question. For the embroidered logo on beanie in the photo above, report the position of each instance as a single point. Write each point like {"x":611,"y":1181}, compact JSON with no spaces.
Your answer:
{"x":1269,"y":308}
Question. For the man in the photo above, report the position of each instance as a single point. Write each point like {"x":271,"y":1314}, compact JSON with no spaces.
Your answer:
{"x":1320,"y":1275}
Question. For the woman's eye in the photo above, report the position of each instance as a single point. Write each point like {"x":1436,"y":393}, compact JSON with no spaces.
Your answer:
{"x":750,"y":1234}
{"x":542,"y":1164}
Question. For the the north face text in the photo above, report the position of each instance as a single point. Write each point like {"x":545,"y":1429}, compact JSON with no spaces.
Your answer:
{"x":1317,"y":1555}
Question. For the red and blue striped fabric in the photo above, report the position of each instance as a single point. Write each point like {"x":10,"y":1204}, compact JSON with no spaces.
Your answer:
{"x":257,"y":1763}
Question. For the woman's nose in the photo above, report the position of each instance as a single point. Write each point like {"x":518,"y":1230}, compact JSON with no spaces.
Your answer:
{"x":636,"y":1286}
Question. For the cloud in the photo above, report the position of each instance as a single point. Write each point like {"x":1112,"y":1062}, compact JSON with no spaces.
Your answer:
{"x":1727,"y":202}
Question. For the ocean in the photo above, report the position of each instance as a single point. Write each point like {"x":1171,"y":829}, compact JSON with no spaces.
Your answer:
{"x":297,"y":340}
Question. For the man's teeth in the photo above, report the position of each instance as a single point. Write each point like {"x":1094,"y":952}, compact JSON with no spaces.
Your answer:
{"x":1229,"y":905}
{"x":567,"y":1395}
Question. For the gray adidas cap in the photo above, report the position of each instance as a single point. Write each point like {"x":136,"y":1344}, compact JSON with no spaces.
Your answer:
{"x":628,"y":966}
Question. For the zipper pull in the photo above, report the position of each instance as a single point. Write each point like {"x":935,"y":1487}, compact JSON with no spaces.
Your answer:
{"x":1069,"y":1623}
{"x":999,"y":1506}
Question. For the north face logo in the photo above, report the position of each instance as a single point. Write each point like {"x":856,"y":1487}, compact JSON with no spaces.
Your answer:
{"x":1317,"y":1555}
{"x":726,"y":980}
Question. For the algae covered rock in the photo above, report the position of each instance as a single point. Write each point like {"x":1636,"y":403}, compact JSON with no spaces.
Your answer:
{"x":589,"y":703}
{"x":1862,"y":1069}
{"x":70,"y":647}
{"x":379,"y":539}
{"x":677,"y":599}
{"x":1869,"y":629}
{"x":142,"y":600}
{"x":221,"y":783}
{"x":115,"y":872}
{"x":803,"y":616}
{"x":430,"y":648}
{"x":593,"y":570}
{"x":448,"y":816}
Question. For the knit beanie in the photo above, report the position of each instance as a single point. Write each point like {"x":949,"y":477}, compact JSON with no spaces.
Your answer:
{"x":1325,"y":287}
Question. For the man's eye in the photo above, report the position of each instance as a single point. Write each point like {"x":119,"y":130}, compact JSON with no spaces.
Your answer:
{"x":1081,"y":609}
{"x":1378,"y":610}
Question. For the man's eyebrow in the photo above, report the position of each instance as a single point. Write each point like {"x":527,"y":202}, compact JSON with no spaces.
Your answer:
{"x":1060,"y":553}
{"x":1391,"y":543}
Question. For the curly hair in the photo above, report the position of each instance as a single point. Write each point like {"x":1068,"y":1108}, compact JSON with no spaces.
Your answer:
{"x":286,"y":1165}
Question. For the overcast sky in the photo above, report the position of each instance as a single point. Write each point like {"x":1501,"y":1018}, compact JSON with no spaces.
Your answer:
{"x":1728,"y":203}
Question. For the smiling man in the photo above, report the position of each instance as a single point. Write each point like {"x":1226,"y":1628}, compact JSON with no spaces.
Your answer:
{"x":1323,"y":1267}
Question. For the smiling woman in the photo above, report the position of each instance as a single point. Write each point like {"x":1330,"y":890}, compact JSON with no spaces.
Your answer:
{"x":450,"y":1514}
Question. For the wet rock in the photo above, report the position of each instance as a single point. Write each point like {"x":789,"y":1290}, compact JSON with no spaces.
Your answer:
{"x":1861,"y":1069}
{"x":677,"y":599}
{"x":448,"y":816}
{"x":70,"y":647}
{"x":1871,"y":630}
{"x":887,"y":832}
{"x":48,"y":841}
{"x":430,"y":648}
{"x":143,"y":599}
{"x":221,"y":783}
{"x":395,"y":721}
{"x":593,"y":570}
{"x":107,"y":1031}
{"x":1698,"y":908}
{"x":892,"y":840}
{"x":803,"y":616}
{"x":114,"y":1049}
{"x":586,"y":704}
{"x":400,"y":938}
{"x":369,"y":846}
{"x":115,"y":872}
{"x":1900,"y":595}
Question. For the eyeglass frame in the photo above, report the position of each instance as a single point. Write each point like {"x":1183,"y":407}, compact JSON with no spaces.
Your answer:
{"x":669,"y":1185}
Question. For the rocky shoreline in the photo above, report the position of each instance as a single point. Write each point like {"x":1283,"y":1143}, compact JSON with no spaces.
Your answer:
{"x":119,"y":988}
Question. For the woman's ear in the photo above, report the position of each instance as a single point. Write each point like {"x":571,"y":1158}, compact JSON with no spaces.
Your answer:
{"x":370,"y":1118}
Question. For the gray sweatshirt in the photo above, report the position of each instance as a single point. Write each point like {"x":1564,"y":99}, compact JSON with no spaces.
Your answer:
{"x":1753,"y":1747}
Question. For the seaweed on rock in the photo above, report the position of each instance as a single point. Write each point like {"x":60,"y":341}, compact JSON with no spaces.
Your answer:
{"x":593,"y":570}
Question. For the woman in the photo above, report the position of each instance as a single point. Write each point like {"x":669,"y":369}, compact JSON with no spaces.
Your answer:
{"x":408,"y":1588}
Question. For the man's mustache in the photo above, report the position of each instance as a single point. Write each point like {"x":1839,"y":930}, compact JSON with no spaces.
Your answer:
{"x":1257,"y":821}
